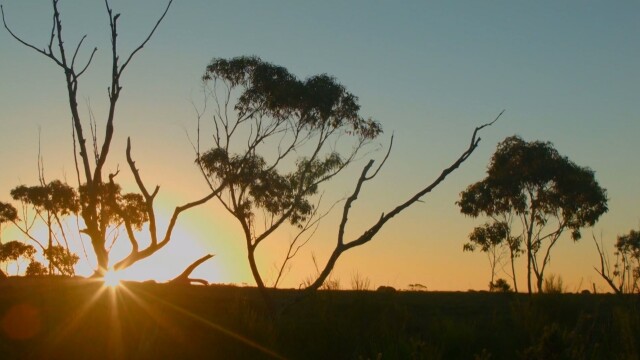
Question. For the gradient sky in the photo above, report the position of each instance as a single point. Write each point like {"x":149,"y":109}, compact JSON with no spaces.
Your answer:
{"x":429,"y":71}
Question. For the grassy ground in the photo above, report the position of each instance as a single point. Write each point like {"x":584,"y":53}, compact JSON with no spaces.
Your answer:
{"x":67,"y":319}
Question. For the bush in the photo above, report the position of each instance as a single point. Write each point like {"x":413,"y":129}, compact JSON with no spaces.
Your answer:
{"x":553,"y":285}
{"x":500,"y":285}
{"x":36,"y":269}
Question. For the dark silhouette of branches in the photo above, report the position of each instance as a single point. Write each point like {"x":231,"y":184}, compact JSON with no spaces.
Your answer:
{"x":156,"y":244}
{"x":97,"y":196}
{"x":623,"y":276}
{"x":342,"y":245}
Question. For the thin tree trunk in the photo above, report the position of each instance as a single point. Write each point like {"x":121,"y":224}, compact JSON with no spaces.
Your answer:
{"x":539,"y":278}
{"x":264,"y":292}
{"x":513,"y":272}
{"x":50,"y":244}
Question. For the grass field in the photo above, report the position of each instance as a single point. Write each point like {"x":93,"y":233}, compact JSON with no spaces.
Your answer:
{"x":81,"y":319}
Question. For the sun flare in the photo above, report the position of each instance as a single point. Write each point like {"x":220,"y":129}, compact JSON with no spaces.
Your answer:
{"x":112,"y":278}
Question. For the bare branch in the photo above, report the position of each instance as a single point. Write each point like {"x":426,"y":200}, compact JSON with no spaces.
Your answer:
{"x":124,"y":65}
{"x":155,"y":245}
{"x":384,"y":160}
{"x":47,"y":54}
{"x":367,"y":235}
{"x":604,"y":268}
{"x":86,"y":66}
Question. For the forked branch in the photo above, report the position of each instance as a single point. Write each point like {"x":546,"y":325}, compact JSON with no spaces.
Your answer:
{"x":156,"y":243}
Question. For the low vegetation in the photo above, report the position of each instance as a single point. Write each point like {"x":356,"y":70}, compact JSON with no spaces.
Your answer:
{"x":146,"y":320}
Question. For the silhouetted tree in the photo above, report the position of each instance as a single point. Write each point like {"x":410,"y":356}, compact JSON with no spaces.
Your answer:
{"x":50,"y":202}
{"x":277,"y":139}
{"x":493,"y":239}
{"x":545,"y":190}
{"x":500,"y":285}
{"x":96,"y":208}
{"x":14,"y":251}
{"x":624,"y":278}
{"x":291,"y":129}
{"x":62,"y":259}
{"x":36,"y":268}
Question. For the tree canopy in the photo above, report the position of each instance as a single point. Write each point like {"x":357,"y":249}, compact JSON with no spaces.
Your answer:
{"x":547,"y":191}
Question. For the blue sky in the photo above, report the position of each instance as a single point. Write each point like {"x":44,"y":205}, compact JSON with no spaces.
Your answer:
{"x":429,"y":71}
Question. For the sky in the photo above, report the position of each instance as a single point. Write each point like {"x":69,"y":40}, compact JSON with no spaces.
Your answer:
{"x":429,"y":71}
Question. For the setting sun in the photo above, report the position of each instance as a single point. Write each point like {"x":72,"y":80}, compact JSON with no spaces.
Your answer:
{"x":112,"y":278}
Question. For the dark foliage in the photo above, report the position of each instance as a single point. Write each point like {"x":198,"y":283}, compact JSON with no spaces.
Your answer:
{"x":541,"y":187}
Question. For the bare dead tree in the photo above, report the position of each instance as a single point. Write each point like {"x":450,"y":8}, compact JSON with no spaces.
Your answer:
{"x":605,"y":269}
{"x":623,"y":276}
{"x":89,"y":168}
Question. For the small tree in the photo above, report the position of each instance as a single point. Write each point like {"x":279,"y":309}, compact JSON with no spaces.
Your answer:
{"x":495,"y":239}
{"x":14,"y":251}
{"x":36,"y":268}
{"x":500,"y":285}
{"x":546,"y":191}
{"x":624,"y":278}
{"x":50,"y":202}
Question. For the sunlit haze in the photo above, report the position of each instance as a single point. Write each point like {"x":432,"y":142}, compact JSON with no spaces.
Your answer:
{"x":428,"y":71}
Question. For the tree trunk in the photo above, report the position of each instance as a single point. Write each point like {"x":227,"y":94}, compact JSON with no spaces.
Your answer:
{"x":264,"y":292}
{"x":3,"y":276}
{"x":102,"y":256}
{"x":539,"y":279}
{"x":529,"y":266}
{"x":513,"y":272}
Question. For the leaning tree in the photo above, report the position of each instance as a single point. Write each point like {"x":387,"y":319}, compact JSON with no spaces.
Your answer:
{"x":98,"y":205}
{"x":547,"y":192}
{"x":277,"y":140}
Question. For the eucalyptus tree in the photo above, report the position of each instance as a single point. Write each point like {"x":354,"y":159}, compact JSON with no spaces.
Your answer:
{"x":495,"y":240}
{"x":547,"y":192}
{"x":50,"y":202}
{"x":14,"y":251}
{"x":277,"y":140}
{"x":97,"y":206}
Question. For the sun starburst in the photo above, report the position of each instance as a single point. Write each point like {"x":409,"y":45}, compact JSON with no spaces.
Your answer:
{"x":112,"y":278}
